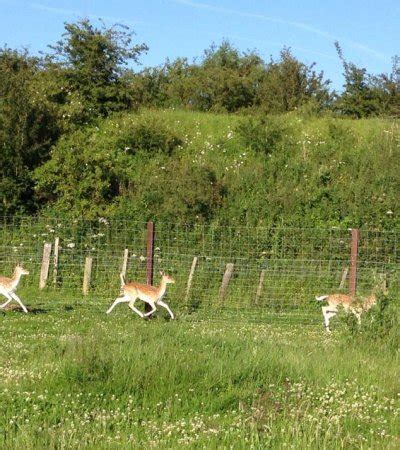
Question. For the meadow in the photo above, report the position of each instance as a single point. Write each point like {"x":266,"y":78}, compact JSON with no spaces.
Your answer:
{"x":73,"y":377}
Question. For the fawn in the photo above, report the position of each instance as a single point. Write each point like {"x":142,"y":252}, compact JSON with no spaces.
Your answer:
{"x":348,"y":303}
{"x":9,"y":285}
{"x":152,"y":295}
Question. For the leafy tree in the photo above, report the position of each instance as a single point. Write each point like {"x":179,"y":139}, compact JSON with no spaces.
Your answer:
{"x":359,"y":98}
{"x":93,"y":63}
{"x":224,"y":80}
{"x":227,"y":80}
{"x":388,"y":86}
{"x":289,"y":84}
{"x":28,"y":128}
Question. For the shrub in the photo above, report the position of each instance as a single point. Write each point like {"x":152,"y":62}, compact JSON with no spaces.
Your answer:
{"x":379,"y":325}
{"x":90,"y":168}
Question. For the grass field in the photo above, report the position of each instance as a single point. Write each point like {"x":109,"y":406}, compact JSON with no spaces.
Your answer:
{"x":73,"y":377}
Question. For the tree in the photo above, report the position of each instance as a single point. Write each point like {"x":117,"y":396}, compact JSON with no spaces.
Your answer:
{"x":389,"y":87}
{"x":93,"y":63}
{"x":227,"y":80}
{"x":289,"y":84}
{"x":359,"y":98}
{"x":28,"y":128}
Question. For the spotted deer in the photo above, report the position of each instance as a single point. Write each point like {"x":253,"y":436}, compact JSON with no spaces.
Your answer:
{"x":8,"y":287}
{"x":152,"y":295}
{"x":349,"y":303}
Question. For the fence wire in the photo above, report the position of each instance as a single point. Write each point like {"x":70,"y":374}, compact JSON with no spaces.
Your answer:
{"x":275,"y":271}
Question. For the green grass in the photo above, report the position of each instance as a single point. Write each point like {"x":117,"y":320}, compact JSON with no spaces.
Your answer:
{"x":78,"y":378}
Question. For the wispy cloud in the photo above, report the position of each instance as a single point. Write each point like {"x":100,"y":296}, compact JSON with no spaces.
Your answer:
{"x":263,"y":42}
{"x":290,"y":23}
{"x":77,"y":13}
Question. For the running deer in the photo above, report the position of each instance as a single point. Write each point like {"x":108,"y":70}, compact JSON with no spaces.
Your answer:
{"x":349,"y":304}
{"x":8,"y":287}
{"x":151,"y":295}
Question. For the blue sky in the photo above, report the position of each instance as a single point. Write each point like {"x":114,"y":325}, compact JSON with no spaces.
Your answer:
{"x":369,"y":31}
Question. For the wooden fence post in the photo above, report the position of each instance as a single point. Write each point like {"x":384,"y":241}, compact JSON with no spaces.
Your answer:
{"x":87,"y":275}
{"x":355,"y":237}
{"x":225,"y":280}
{"x":55,"y":260}
{"x":44,"y":271}
{"x":190,"y":279}
{"x":260,"y":286}
{"x":150,"y":252}
{"x":344,"y":277}
{"x":150,"y":258}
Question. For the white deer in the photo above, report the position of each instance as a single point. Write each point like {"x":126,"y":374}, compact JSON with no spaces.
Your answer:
{"x":8,"y":287}
{"x":348,"y":303}
{"x":151,"y":295}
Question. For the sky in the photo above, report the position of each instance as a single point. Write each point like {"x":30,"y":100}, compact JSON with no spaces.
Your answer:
{"x":368,"y":30}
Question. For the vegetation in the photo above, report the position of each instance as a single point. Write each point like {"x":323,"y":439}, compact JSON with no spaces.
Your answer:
{"x":73,"y":378}
{"x":203,"y":168}
{"x":73,"y":142}
{"x":226,"y":140}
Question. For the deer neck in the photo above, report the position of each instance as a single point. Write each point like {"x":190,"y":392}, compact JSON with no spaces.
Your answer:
{"x":15,"y":279}
{"x":162,"y":288}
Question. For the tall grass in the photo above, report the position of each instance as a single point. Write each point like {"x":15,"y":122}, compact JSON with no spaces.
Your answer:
{"x":79,"y":378}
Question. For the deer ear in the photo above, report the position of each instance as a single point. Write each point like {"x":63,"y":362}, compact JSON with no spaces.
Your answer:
{"x":161,"y":272}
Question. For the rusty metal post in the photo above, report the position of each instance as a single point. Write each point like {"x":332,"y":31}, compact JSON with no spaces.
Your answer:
{"x":150,"y":257}
{"x":355,"y":237}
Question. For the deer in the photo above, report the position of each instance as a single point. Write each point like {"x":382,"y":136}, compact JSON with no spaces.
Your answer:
{"x":151,"y":295}
{"x":349,"y":304}
{"x":8,"y":286}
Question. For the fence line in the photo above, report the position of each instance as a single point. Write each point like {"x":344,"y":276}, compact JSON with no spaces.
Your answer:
{"x":276,"y":270}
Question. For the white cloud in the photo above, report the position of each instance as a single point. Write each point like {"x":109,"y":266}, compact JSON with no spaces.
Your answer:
{"x":293,"y":24}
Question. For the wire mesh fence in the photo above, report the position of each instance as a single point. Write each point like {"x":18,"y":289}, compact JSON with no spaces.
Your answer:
{"x":261,"y":271}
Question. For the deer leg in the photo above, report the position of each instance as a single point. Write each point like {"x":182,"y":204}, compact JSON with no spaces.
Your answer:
{"x":153,"y":308}
{"x":358,"y":316}
{"x":123,"y":299}
{"x":8,"y":297}
{"x":164,"y":305}
{"x":328,"y":313}
{"x":131,"y":305}
{"x":18,"y":300}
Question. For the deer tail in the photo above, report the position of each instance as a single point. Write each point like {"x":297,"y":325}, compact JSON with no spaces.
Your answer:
{"x":121,"y":275}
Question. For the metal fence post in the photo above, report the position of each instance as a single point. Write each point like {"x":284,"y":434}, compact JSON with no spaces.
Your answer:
{"x":355,"y":237}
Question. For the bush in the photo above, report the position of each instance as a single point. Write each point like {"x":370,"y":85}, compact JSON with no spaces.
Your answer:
{"x":379,"y":325}
{"x":263,"y":135}
{"x":90,"y":168}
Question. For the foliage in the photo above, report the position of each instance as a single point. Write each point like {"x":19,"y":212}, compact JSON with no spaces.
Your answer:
{"x":226,"y":80}
{"x":263,"y":135}
{"x":90,"y":168}
{"x":59,"y":129}
{"x":365,"y":95}
{"x":92,"y":64}
{"x":28,"y":128}
{"x":379,"y":326}
{"x":102,"y":381}
{"x":289,"y":84}
{"x":178,"y":192}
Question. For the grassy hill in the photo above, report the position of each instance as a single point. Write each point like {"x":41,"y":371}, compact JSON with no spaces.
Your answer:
{"x":181,"y":166}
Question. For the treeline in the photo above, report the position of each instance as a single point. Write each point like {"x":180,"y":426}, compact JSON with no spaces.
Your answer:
{"x":71,"y":138}
{"x":225,"y":80}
